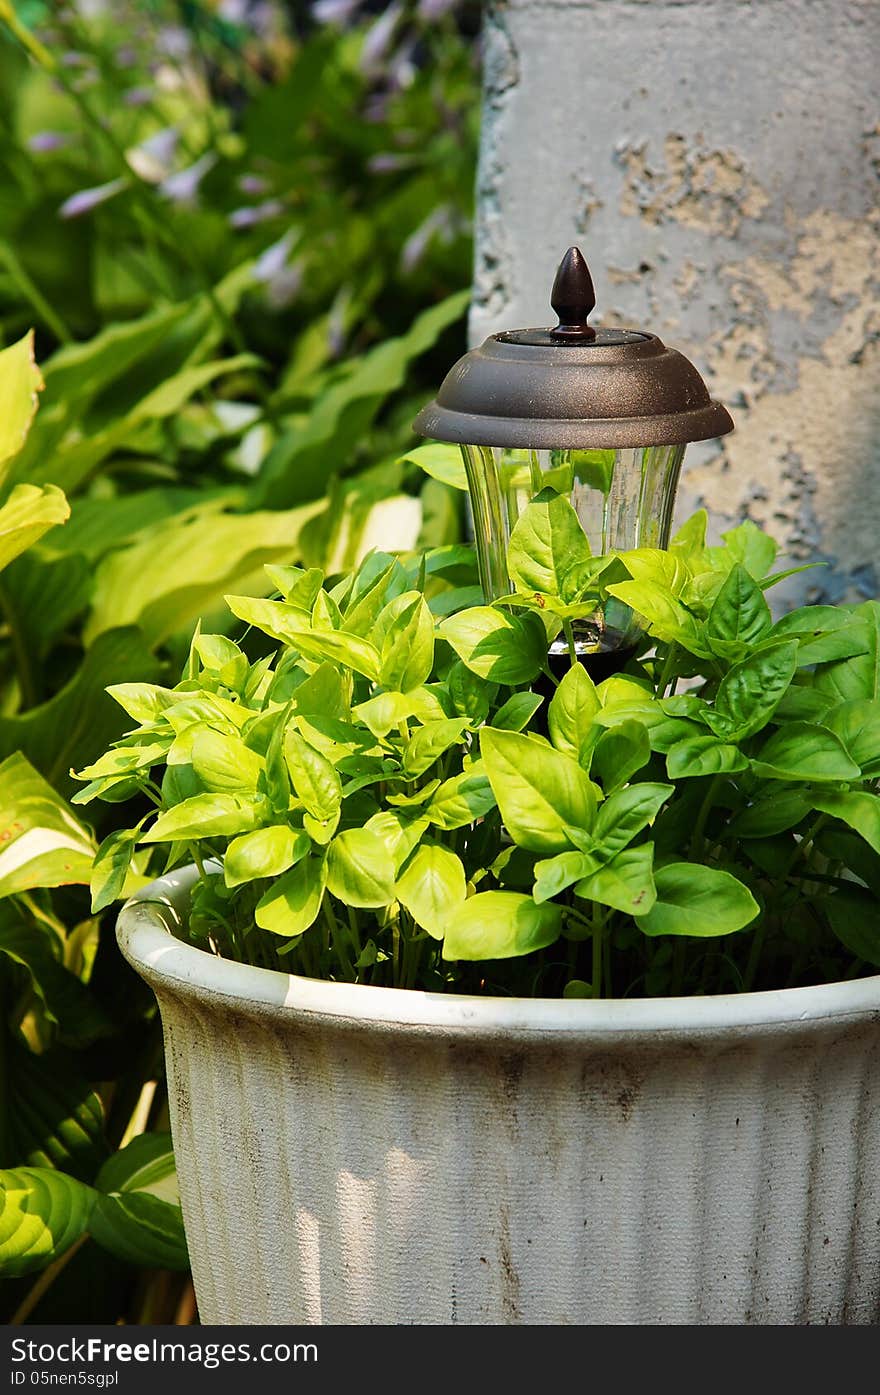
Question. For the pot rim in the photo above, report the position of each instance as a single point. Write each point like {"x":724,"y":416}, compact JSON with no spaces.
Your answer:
{"x":145,"y":932}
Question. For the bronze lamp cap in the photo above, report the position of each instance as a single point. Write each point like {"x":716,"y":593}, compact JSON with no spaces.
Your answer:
{"x":573,"y":386}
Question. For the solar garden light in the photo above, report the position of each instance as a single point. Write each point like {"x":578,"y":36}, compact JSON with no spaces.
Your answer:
{"x":601,"y":416}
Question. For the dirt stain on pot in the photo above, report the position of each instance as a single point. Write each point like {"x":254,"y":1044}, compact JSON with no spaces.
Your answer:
{"x":510,"y":1284}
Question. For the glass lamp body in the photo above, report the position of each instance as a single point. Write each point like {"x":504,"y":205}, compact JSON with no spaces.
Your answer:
{"x":623,"y":499}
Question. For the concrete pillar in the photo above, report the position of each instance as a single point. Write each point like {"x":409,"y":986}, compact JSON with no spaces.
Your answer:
{"x":717,"y":162}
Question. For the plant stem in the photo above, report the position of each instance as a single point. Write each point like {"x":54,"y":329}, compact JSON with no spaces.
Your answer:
{"x":44,"y":1282}
{"x":598,"y":929}
{"x":754,"y":958}
{"x":679,"y":958}
{"x":666,"y":671}
{"x":569,"y":636}
{"x":698,"y":840}
{"x":805,"y":846}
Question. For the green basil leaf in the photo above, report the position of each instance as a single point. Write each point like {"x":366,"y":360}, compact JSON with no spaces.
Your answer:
{"x":111,"y":867}
{"x":546,"y":541}
{"x":619,"y":754}
{"x":703,"y":755}
{"x":554,"y":874}
{"x":407,"y":649}
{"x":206,"y":816}
{"x":776,"y":813}
{"x":857,"y":724}
{"x":663,"y":732}
{"x":327,"y":693}
{"x":572,"y":709}
{"x":224,"y":762}
{"x":626,"y":883}
{"x":594,"y":468}
{"x":752,"y":548}
{"x":856,"y":808}
{"x":665,"y":617}
{"x":654,"y":565}
{"x":314,"y":778}
{"x":321,"y":830}
{"x":852,"y":915}
{"x":144,"y":702}
{"x":748,"y":693}
{"x":360,"y":869}
{"x":625,"y":813}
{"x":461,"y":800}
{"x":739,"y":611}
{"x":267,"y":852}
{"x":432,"y":888}
{"x":286,"y":624}
{"x":398,"y":832}
{"x":504,"y":648}
{"x":697,"y":900}
{"x":441,"y":462}
{"x":429,"y":743}
{"x":802,"y":751}
{"x":517,"y":711}
{"x":858,"y":677}
{"x":539,"y":790}
{"x":801,"y":704}
{"x":691,"y":536}
{"x":292,"y":904}
{"x":500,"y":925}
{"x":842,"y":845}
{"x":470,"y":695}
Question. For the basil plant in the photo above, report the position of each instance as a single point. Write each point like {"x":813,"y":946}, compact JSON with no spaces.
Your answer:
{"x":383,"y":780}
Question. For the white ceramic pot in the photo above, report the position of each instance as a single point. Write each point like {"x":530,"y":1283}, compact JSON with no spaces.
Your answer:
{"x":373,"y":1155}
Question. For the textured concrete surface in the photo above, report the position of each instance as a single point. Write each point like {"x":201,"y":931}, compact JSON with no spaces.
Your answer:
{"x":717,"y":162}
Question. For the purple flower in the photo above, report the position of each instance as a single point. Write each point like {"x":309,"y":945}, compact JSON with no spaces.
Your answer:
{"x":87,"y":199}
{"x":434,"y":9}
{"x":388,"y":163}
{"x":438,"y":223}
{"x":173,"y":41}
{"x":376,"y":109}
{"x":253,"y":184}
{"x":138,"y":96}
{"x":379,"y":36}
{"x":281,"y":278}
{"x":45,"y":141}
{"x":152,"y":159}
{"x":255,"y":213}
{"x":283,"y":289}
{"x":270,"y":262}
{"x":183,"y":187}
{"x":334,"y":11}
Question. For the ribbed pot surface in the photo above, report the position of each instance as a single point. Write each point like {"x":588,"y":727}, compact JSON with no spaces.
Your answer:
{"x":367,"y":1155}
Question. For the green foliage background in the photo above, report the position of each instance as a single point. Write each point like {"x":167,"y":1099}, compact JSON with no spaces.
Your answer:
{"x":243,"y":248}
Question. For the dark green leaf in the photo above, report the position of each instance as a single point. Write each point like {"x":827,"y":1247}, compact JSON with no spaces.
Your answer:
{"x":697,"y":900}
{"x":802,"y":751}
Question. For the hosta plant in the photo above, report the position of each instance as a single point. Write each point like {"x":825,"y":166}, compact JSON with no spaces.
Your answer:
{"x":384,"y":781}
